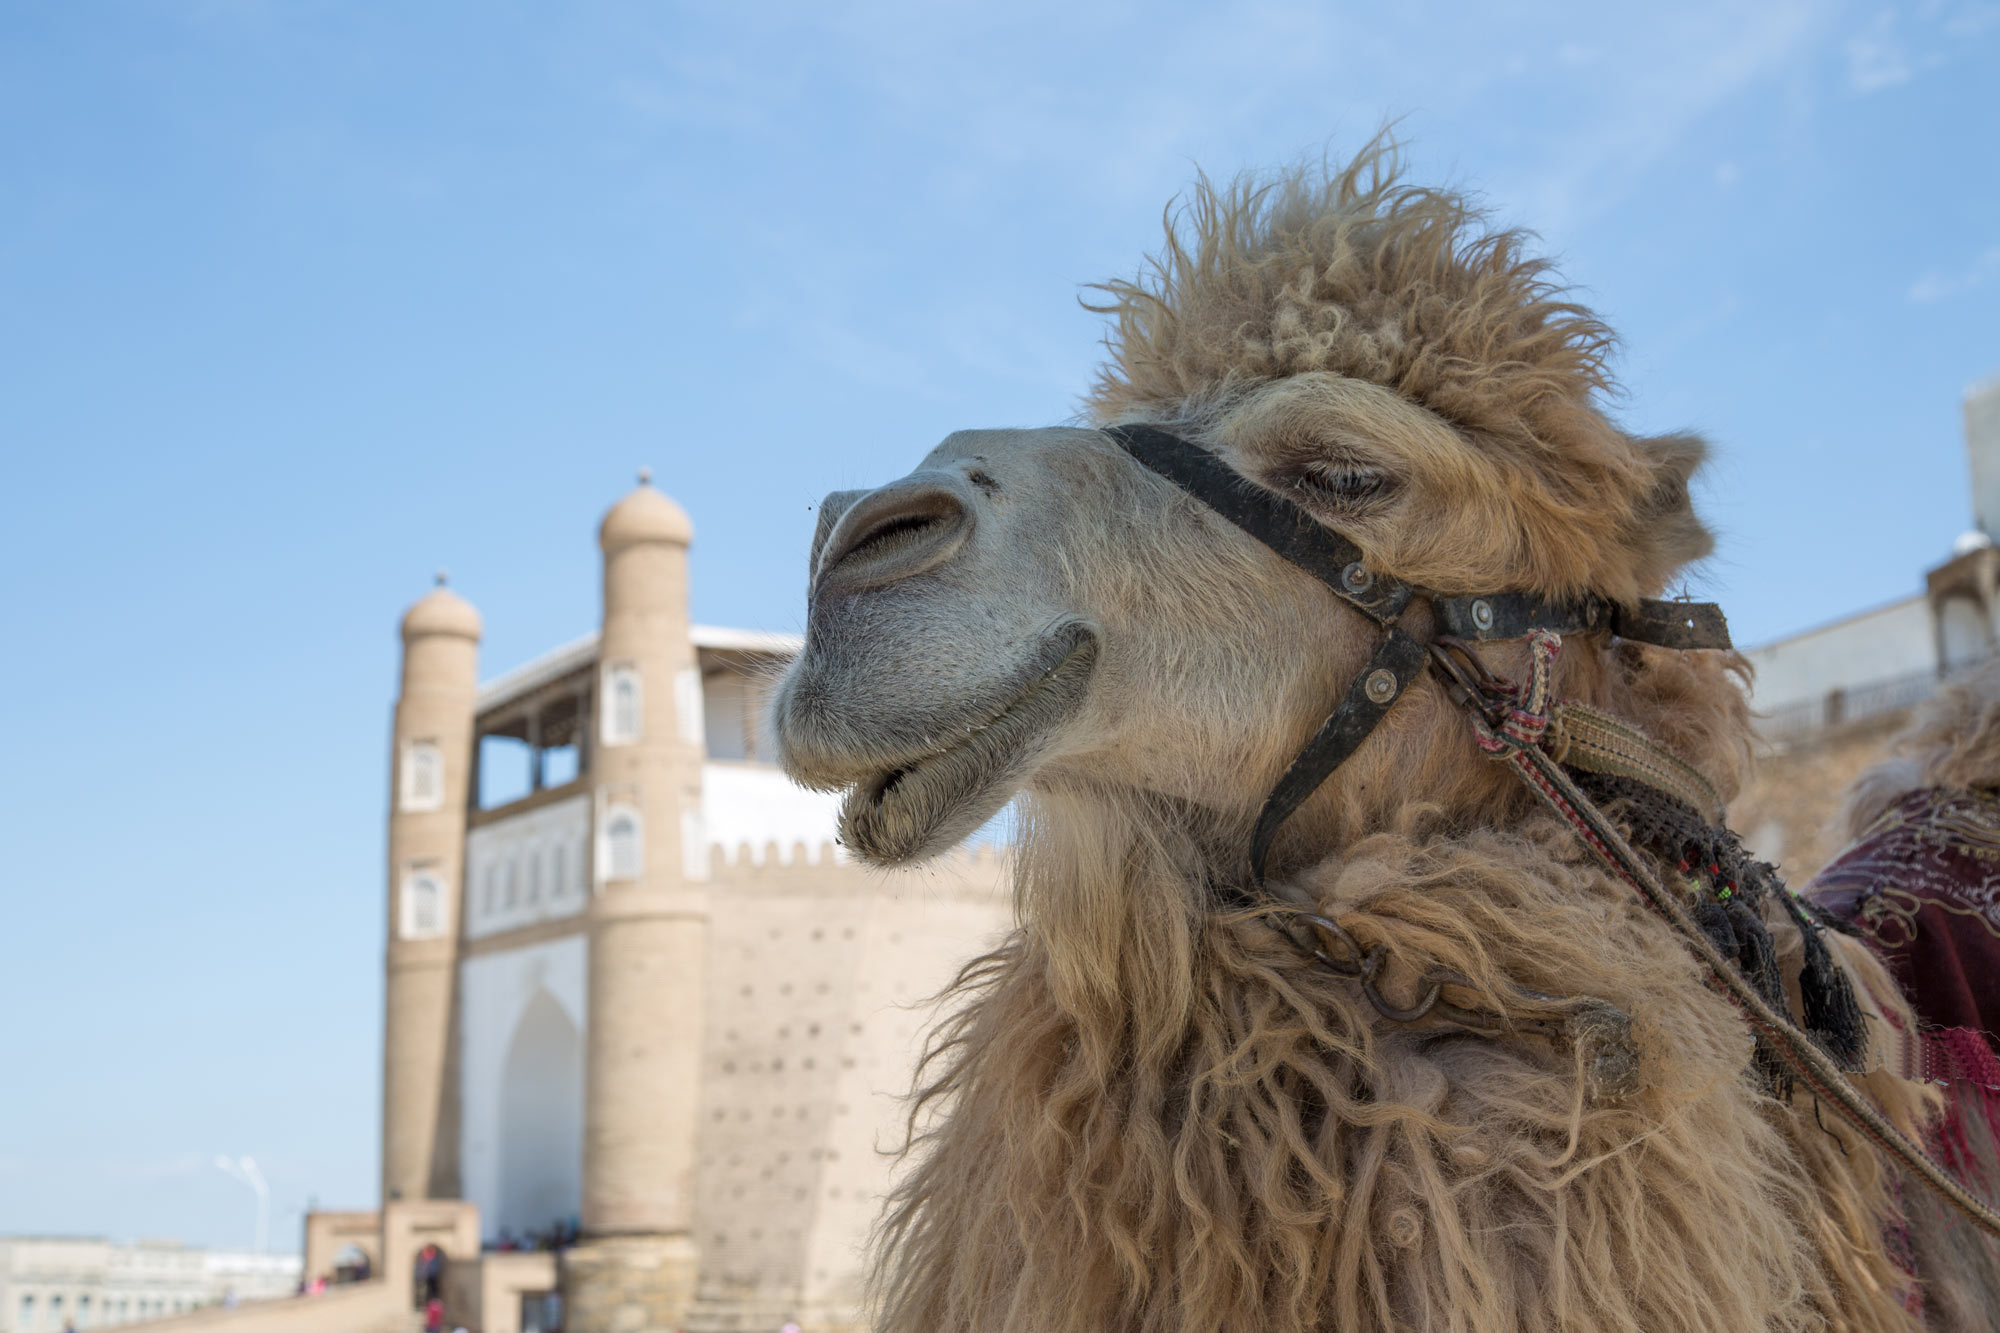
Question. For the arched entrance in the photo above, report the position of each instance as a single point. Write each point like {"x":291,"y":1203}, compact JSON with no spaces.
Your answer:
{"x":541,"y":1123}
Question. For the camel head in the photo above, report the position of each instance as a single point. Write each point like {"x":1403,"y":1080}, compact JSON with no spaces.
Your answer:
{"x":1030,"y":606}
{"x":1033,"y":608}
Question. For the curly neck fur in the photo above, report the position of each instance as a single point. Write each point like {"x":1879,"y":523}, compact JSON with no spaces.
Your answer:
{"x":1146,"y":1115}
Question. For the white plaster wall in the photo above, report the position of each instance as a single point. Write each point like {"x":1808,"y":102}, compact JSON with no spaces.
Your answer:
{"x":526,"y":847}
{"x":102,"y":1284}
{"x":1890,"y":641}
{"x":495,"y":990}
{"x":724,"y":700}
{"x":757,"y":804}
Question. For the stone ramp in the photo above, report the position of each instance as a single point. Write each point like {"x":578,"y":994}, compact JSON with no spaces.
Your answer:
{"x":763,"y":1313}
{"x":362,"y":1307}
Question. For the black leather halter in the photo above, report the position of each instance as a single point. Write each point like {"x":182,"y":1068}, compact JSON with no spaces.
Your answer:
{"x":1338,"y":563}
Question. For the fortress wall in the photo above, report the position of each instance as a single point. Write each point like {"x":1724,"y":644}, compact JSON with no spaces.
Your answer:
{"x":1789,"y":813}
{"x":818,"y":971}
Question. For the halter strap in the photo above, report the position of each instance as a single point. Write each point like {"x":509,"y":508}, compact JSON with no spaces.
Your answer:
{"x":1338,"y":563}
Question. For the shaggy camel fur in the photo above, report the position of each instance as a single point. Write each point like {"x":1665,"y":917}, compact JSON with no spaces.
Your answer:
{"x":1952,"y":741}
{"x":1148,"y":1110}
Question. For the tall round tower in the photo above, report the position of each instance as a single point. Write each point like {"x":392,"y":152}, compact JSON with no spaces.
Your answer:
{"x":429,"y":793}
{"x":648,"y":935}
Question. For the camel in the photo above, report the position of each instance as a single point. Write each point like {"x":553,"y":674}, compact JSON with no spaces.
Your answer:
{"x":1152,"y":1107}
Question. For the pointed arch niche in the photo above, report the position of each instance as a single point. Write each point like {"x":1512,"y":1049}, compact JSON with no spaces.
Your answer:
{"x":621,"y":851}
{"x":541,"y":1121}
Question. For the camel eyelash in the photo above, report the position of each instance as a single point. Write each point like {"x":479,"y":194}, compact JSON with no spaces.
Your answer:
{"x":1346,"y":485}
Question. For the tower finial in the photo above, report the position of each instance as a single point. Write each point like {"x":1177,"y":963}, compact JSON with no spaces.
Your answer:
{"x":443,"y":577}
{"x":645,"y":476}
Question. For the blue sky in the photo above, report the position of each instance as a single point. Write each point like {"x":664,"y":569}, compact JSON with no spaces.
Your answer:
{"x":301,"y":301}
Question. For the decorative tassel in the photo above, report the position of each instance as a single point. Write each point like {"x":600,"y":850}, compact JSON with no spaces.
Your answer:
{"x":1757,"y":956}
{"x":1832,"y":1013}
{"x":1714,"y":922}
{"x":1730,"y":912}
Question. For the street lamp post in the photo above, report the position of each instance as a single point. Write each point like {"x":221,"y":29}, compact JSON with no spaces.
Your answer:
{"x":244,"y":1170}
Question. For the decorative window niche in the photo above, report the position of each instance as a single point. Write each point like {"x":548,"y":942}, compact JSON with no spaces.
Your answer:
{"x":423,"y":776}
{"x":624,"y":708}
{"x":532,"y":866}
{"x":423,"y":906}
{"x":624,"y":851}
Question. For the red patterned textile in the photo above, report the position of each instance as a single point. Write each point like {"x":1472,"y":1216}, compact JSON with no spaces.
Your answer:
{"x":1922,"y":884}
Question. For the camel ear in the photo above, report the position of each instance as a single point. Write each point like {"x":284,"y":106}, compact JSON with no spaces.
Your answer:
{"x":1666,"y":535}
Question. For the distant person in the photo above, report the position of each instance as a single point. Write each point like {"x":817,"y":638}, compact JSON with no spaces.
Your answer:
{"x":791,"y":1326}
{"x":433,"y":1315}
{"x":430,"y":1269}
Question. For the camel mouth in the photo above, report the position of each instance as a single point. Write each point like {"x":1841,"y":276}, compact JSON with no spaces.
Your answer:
{"x":924,"y":805}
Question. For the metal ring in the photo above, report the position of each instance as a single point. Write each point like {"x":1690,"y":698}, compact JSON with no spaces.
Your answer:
{"x":1391,"y":1012}
{"x":1335,"y":931}
{"x":1357,"y":577}
{"x":1381,"y":685}
{"x":1482,"y":613}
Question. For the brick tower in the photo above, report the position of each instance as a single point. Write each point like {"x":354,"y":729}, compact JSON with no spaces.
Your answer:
{"x":430,"y":792}
{"x":648,"y":931}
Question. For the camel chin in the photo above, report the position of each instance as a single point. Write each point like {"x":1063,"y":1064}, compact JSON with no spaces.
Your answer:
{"x":928,"y":803}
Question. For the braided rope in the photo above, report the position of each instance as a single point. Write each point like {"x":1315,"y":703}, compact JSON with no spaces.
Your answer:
{"x":1515,"y":738}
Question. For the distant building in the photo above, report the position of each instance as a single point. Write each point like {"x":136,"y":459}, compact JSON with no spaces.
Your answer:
{"x":1829,"y":696}
{"x":633,"y":989}
{"x":48,"y":1281}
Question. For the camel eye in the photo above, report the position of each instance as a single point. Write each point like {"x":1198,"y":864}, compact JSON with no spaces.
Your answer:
{"x":1343,"y":485}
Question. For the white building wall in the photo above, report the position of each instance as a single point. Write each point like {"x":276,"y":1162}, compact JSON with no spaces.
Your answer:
{"x":527,"y":868}
{"x":756,"y":804}
{"x":497,"y":990}
{"x":46,"y":1281}
{"x":1865,"y":649}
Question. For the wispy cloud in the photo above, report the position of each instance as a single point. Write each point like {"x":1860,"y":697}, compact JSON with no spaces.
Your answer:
{"x":1876,"y":56}
{"x":1898,"y":45}
{"x":1942,"y":285}
{"x":1697,"y":60}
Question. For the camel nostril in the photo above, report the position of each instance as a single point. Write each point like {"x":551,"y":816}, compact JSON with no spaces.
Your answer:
{"x":893,"y":533}
{"x":887,"y":538}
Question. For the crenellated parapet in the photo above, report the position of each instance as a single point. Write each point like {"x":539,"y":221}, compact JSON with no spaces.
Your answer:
{"x":975,"y":872}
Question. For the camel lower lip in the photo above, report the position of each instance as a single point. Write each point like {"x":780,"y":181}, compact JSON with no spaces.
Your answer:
{"x":924,"y":806}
